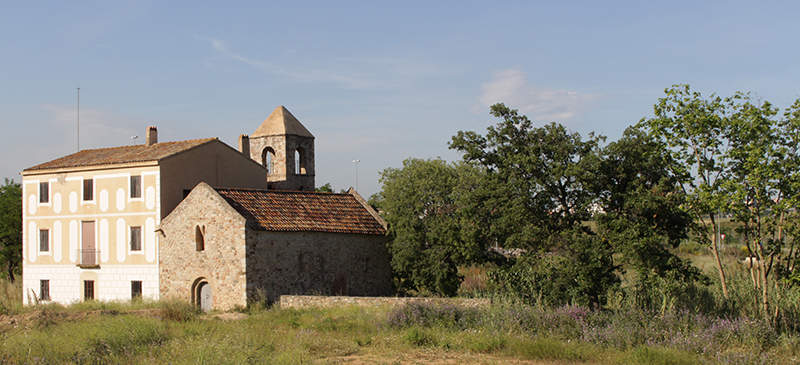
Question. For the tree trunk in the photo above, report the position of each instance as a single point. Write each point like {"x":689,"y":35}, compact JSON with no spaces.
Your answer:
{"x":10,"y":267}
{"x":716,"y":256}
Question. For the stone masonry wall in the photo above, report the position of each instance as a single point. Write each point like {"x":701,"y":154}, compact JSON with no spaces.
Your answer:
{"x":221,"y":264}
{"x":281,"y":263}
{"x":283,"y":176}
{"x":310,"y":301}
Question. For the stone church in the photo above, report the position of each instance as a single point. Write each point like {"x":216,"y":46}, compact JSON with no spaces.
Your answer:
{"x":200,"y":221}
{"x":223,"y":247}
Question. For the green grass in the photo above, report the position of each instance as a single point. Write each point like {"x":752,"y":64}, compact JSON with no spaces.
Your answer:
{"x":172,"y":332}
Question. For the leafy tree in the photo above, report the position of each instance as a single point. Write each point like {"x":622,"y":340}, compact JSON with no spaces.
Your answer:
{"x":420,"y":202}
{"x":694,"y":130}
{"x":788,"y":153}
{"x":641,"y":214}
{"x":764,"y":190}
{"x":324,"y":188}
{"x":11,"y":228}
{"x":535,"y":184}
{"x":753,"y":183}
{"x":536,"y":195}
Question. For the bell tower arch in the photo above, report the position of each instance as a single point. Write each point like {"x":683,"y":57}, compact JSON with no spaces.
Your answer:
{"x":286,"y":149}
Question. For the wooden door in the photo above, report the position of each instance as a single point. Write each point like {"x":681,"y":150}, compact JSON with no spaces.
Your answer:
{"x":88,"y":245}
{"x":205,"y":297}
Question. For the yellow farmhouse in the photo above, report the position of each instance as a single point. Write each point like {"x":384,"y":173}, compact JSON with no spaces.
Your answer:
{"x":90,"y":218}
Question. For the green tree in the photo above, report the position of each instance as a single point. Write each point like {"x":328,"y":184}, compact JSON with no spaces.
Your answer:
{"x":694,"y":131}
{"x":535,"y":184}
{"x":324,"y":188}
{"x":536,"y":195}
{"x":11,"y":228}
{"x":420,"y":201}
{"x":641,"y":215}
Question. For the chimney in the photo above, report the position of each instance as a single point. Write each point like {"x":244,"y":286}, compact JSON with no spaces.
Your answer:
{"x":244,"y":145}
{"x":152,"y":136}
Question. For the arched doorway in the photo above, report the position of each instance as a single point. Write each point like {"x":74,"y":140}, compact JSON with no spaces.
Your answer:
{"x":202,"y":295}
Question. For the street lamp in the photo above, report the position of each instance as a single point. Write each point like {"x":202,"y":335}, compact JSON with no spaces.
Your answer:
{"x":356,"y":162}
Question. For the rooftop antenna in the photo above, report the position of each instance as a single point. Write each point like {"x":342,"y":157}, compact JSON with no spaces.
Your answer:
{"x":79,"y":119}
{"x":134,"y":139}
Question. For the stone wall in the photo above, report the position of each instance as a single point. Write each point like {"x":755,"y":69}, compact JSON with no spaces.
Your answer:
{"x":308,"y":301}
{"x":283,"y":176}
{"x":222,"y":261}
{"x":280,"y":263}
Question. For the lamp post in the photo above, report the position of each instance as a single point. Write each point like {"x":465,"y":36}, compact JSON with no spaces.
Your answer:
{"x":356,"y":162}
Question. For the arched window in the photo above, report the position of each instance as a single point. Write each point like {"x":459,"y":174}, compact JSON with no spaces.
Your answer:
{"x":267,"y":157}
{"x":300,"y":161}
{"x":200,"y":238}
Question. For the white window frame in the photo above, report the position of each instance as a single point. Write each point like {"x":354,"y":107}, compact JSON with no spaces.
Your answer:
{"x":141,"y":240}
{"x":94,"y":191}
{"x":130,"y":188}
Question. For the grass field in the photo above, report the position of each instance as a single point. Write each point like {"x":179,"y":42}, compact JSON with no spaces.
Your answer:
{"x":171,"y":332}
{"x":175,"y":333}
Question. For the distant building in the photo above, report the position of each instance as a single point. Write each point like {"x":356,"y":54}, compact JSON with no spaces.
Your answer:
{"x":91,"y":219}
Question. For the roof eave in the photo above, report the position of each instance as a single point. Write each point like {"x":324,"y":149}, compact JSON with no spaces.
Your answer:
{"x":52,"y":170}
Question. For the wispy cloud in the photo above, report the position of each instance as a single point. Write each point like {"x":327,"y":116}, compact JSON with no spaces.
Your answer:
{"x":538,"y":103}
{"x":362,"y":73}
{"x":304,"y":75}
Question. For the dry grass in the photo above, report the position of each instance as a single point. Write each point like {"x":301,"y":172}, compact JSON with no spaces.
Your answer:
{"x":10,"y":296}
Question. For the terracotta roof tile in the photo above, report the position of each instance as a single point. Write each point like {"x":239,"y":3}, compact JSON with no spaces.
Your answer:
{"x":276,"y":210}
{"x":119,"y":155}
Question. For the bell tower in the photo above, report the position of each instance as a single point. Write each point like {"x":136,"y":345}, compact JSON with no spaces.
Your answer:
{"x":286,"y":149}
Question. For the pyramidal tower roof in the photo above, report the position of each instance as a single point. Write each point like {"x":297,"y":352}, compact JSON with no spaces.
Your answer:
{"x":281,"y":122}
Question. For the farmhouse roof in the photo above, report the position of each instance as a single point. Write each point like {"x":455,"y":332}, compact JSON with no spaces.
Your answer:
{"x":295,"y":211}
{"x":120,"y":155}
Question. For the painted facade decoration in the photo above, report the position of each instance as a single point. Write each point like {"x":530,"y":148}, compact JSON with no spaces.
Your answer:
{"x":91,"y":220}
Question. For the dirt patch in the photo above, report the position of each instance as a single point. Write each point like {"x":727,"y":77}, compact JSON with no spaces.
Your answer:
{"x":232,"y":316}
{"x":427,"y":356}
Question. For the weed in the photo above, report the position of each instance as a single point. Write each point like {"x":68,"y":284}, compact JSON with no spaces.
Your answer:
{"x":419,"y":337}
{"x":177,"y":310}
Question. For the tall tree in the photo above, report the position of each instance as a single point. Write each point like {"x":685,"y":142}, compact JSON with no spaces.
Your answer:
{"x":753,"y":184}
{"x":694,"y":131}
{"x":420,"y":201}
{"x":640,"y":214}
{"x":536,"y":195}
{"x":11,"y":228}
{"x":535,"y":185}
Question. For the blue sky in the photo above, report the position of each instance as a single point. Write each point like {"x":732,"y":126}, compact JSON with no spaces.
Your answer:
{"x":374,"y":81}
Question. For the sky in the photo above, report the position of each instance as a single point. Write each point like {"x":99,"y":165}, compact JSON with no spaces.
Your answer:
{"x":374,"y":81}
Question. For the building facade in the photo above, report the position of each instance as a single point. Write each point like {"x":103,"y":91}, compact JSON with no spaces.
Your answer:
{"x":90,"y":218}
{"x":92,"y":223}
{"x":224,"y":247}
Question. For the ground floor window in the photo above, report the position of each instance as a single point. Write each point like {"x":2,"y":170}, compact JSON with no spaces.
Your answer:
{"x":44,"y":289}
{"x":88,"y":290}
{"x":136,"y":289}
